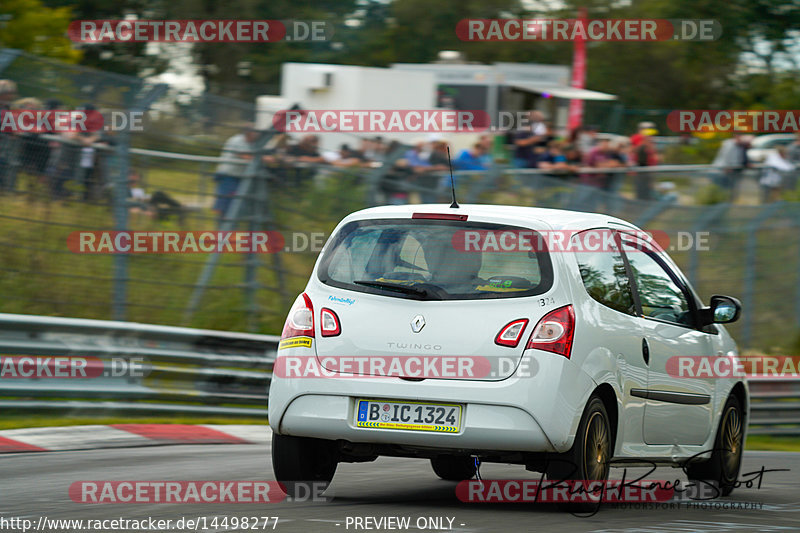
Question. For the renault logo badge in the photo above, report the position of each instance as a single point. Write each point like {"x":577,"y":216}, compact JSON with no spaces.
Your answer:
{"x":417,"y":323}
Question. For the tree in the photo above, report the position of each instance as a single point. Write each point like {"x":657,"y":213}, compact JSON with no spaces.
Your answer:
{"x":34,"y":28}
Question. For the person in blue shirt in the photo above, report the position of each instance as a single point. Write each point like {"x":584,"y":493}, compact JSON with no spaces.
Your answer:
{"x":475,"y":158}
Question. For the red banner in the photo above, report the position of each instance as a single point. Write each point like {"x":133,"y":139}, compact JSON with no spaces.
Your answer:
{"x":575,"y":118}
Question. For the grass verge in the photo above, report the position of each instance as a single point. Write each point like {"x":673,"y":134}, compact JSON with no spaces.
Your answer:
{"x":773,"y":443}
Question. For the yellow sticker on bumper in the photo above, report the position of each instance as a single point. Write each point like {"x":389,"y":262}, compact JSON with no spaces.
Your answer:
{"x":296,"y":342}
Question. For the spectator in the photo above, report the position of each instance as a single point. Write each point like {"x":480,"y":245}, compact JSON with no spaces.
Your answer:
{"x":772,"y":177}
{"x":645,"y":129}
{"x":345,"y":157}
{"x":474,"y":158}
{"x":527,"y":138}
{"x":438,"y":158}
{"x":229,"y":173}
{"x":438,"y":162}
{"x":603,"y":155}
{"x":57,"y":149}
{"x":417,"y":161}
{"x":64,"y":163}
{"x":643,"y":154}
{"x":373,"y":149}
{"x":393,"y":183}
{"x":573,"y":156}
{"x":105,"y":162}
{"x":366,"y":145}
{"x":89,"y":175}
{"x":487,"y":140}
{"x":417,"y":156}
{"x":585,"y":139}
{"x":159,"y":204}
{"x":554,"y":158}
{"x":731,"y":160}
{"x":306,"y":151}
{"x":35,"y":149}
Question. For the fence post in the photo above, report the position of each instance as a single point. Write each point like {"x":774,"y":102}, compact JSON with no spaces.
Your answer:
{"x":119,"y":298}
{"x":142,"y":102}
{"x":748,"y":296}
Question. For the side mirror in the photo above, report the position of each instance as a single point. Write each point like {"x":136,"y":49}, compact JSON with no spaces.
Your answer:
{"x":722,"y":310}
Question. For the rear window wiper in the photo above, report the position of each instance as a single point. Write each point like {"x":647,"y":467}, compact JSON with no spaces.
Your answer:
{"x":405,"y":289}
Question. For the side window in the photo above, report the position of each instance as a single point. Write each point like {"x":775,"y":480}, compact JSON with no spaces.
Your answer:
{"x":659,"y":295}
{"x":602,"y":270}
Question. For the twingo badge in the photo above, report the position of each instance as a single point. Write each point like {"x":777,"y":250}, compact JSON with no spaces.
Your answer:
{"x":296,"y":342}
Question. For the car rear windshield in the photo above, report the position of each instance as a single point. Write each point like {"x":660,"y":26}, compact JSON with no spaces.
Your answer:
{"x":422,"y":259}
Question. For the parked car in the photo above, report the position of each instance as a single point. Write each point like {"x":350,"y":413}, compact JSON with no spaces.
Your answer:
{"x":762,"y":145}
{"x":570,"y":335}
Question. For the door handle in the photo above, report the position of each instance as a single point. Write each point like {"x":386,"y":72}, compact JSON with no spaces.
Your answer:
{"x":646,"y":351}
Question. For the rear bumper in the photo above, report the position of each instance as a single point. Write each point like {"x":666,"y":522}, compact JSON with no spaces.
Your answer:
{"x":485,"y":426}
{"x":535,"y":412}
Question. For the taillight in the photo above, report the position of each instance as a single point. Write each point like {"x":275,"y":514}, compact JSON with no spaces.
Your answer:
{"x":554,"y":332}
{"x":329,"y":323}
{"x":300,"y":321}
{"x":511,"y":333}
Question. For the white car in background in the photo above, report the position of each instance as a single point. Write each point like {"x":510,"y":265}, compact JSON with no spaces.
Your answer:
{"x":571,"y":351}
{"x":763,"y":145}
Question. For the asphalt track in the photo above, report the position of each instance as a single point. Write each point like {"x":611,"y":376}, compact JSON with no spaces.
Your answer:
{"x":33,"y":485}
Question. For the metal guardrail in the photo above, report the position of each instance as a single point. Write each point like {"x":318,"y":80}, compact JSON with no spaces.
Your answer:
{"x":774,"y":406}
{"x":215,"y":373}
{"x":177,"y":370}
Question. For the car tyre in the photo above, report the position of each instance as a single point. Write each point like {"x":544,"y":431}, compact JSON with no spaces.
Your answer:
{"x":590,"y":455}
{"x":454,"y":467}
{"x":300,"y":461}
{"x":722,"y":468}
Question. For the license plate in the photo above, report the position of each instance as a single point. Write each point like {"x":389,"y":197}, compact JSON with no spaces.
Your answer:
{"x":416,"y":416}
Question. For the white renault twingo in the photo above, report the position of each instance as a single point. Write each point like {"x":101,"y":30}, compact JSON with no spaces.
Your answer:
{"x":539,"y":337}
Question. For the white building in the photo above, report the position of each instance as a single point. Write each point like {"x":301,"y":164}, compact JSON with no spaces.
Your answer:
{"x":500,"y":87}
{"x":321,"y":86}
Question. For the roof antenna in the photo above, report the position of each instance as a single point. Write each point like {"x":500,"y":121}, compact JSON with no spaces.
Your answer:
{"x":454,"y":205}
